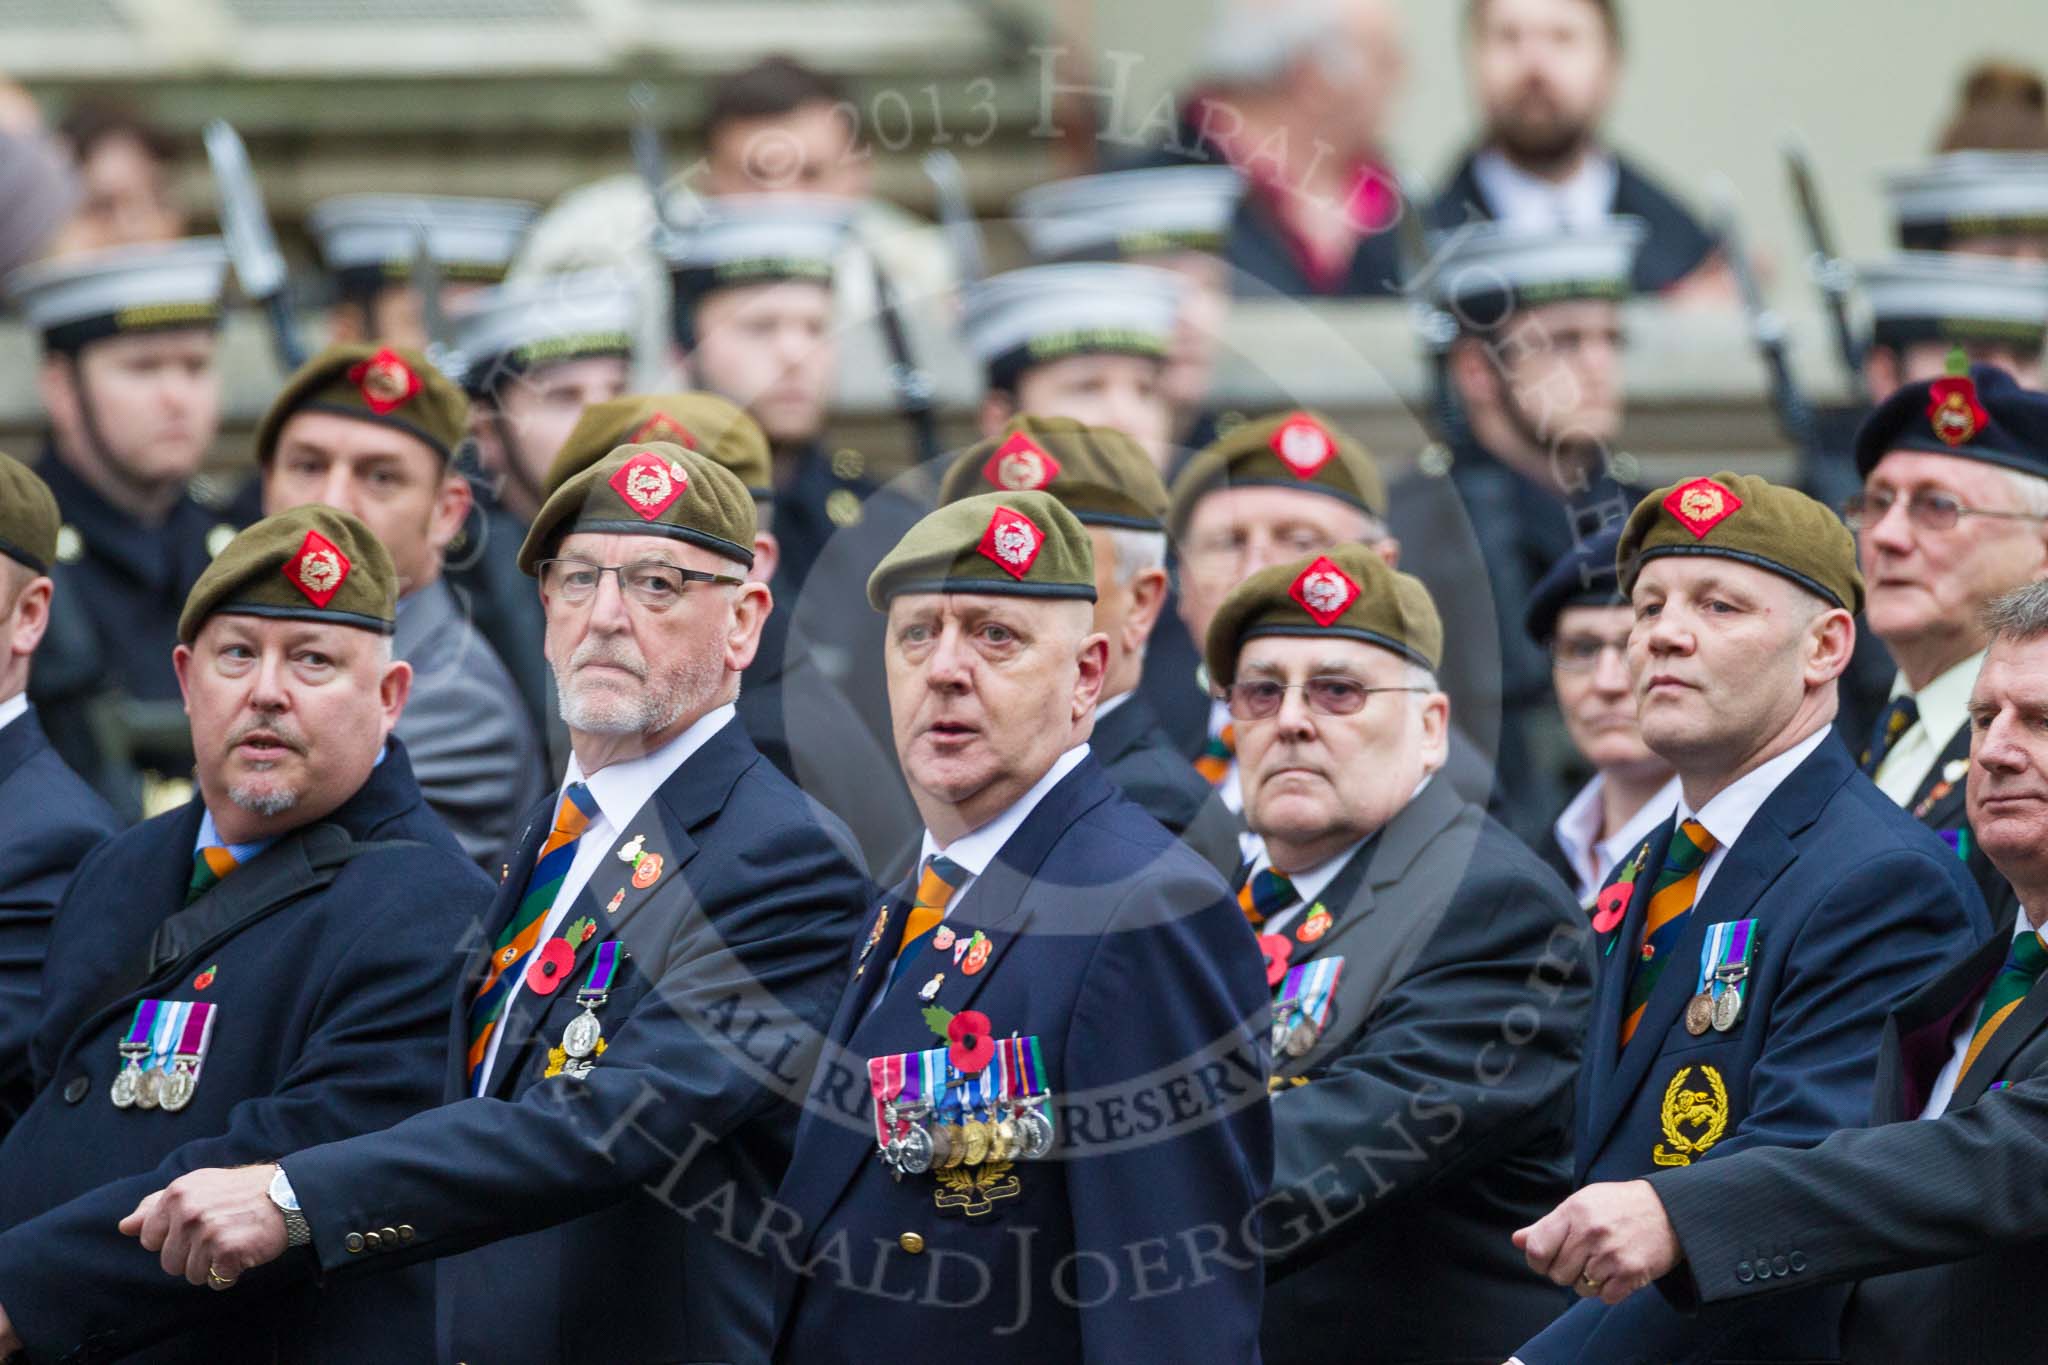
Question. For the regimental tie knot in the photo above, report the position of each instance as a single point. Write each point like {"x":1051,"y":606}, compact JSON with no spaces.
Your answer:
{"x":1266,"y":894}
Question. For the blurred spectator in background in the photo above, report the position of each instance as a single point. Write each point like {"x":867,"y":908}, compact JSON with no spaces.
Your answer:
{"x":123,"y":163}
{"x":370,"y":244}
{"x":1295,"y":94}
{"x":2002,"y":107}
{"x":1545,"y":73}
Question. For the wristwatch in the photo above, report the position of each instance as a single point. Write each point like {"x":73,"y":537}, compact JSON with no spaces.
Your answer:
{"x":297,"y":1231}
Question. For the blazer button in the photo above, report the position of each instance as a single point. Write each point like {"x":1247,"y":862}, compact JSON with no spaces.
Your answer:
{"x":373,"y":1241}
{"x":911,"y":1243}
{"x":1763,"y":1266}
{"x":1780,"y":1266}
{"x":353,"y":1242}
{"x":1743,"y":1272}
{"x":405,"y":1232}
{"x":74,"y":1092}
{"x":390,"y":1236}
{"x":1798,"y":1260}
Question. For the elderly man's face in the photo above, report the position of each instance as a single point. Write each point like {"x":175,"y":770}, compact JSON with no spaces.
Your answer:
{"x":1721,"y":656}
{"x":1314,"y":783}
{"x":1930,"y":585}
{"x":1232,"y":533}
{"x":639,"y":670}
{"x":985,"y":693}
{"x":287,"y":717}
{"x":2008,"y":783}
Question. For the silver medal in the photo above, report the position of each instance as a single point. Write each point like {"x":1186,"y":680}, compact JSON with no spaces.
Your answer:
{"x":1300,"y":1039}
{"x":1034,"y":1135}
{"x":145,"y":1089}
{"x":126,"y":1086}
{"x":914,"y":1151}
{"x":177,"y":1088}
{"x":1728,"y":1008}
{"x":581,"y":1038}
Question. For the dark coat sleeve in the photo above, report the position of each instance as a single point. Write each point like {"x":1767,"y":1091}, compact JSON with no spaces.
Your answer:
{"x":375,"y":1052}
{"x":1475,"y":1047}
{"x":688,"y":1065}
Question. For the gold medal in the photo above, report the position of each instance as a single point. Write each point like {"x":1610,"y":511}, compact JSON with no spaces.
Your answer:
{"x":956,"y":1145}
{"x":1002,"y":1139}
{"x":977,"y":1141}
{"x":1699,"y":1013}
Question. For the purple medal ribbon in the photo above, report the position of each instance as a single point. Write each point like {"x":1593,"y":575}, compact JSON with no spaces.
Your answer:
{"x":603,"y":969}
{"x":145,"y":1024}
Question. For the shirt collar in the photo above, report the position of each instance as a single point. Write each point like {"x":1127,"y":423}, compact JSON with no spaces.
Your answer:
{"x":1734,"y":806}
{"x":977,"y":848}
{"x":1578,"y":829}
{"x":1522,"y":199}
{"x":1312,"y":882}
{"x":13,"y":709}
{"x":209,"y":836}
{"x":622,"y":788}
{"x":1944,"y":704}
{"x":1104,"y":708}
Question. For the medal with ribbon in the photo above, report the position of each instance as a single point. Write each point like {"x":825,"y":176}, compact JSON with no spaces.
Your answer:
{"x":583,"y":1040}
{"x":193,"y":1036}
{"x":134,"y":1046}
{"x":1302,"y":1005}
{"x":1724,"y":965}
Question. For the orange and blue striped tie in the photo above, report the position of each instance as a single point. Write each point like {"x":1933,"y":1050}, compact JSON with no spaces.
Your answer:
{"x":209,"y":866}
{"x":1265,"y":894}
{"x":1213,"y":763}
{"x":1670,"y":904}
{"x":942,"y":877}
{"x":2024,"y":963}
{"x":521,"y":934}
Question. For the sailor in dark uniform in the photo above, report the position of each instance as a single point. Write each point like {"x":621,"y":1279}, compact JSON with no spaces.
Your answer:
{"x":1980,"y":203}
{"x":370,"y":244}
{"x":1530,"y":471}
{"x":133,"y":398}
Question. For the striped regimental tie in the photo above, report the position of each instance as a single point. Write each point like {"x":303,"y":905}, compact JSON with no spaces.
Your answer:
{"x":1213,"y":763}
{"x":935,"y":887}
{"x":1670,"y":903}
{"x":2024,"y":963}
{"x":1265,"y":895}
{"x":209,"y":865}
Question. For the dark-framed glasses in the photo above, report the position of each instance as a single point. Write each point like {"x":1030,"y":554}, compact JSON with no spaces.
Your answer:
{"x":649,"y":583}
{"x":1329,"y":694}
{"x":1925,"y":510}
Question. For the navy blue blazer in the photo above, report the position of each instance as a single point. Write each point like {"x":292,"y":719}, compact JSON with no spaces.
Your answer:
{"x":615,"y":1218}
{"x":1126,"y":956}
{"x":329,"y":1022}
{"x":53,"y":820}
{"x":1856,"y":906}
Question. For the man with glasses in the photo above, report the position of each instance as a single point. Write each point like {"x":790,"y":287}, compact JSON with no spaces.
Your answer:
{"x":1577,"y":612}
{"x":644,"y":1002}
{"x":1431,"y":980}
{"x":1953,"y":514}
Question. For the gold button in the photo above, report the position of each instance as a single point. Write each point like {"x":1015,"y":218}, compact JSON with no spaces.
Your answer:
{"x":373,"y":1241}
{"x":390,"y":1236}
{"x":911,"y":1243}
{"x":405,"y":1232}
{"x":354,"y":1242}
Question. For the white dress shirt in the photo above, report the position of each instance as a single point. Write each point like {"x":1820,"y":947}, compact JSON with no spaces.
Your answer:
{"x":1944,"y":709}
{"x":1308,"y":884}
{"x":1735,"y":805}
{"x":1522,"y":200}
{"x":1103,"y":708}
{"x":620,"y":791}
{"x":1966,"y":1029}
{"x":1593,"y":858}
{"x":13,"y":709}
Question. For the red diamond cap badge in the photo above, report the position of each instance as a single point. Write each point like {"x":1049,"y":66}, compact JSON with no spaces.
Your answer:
{"x":649,"y":484}
{"x":1019,"y":466}
{"x":1700,"y":505}
{"x":1012,"y":541}
{"x":1302,"y":445}
{"x":1324,"y":591}
{"x":662,"y":427}
{"x":317,"y":568}
{"x":1953,"y":410}
{"x":385,"y":381}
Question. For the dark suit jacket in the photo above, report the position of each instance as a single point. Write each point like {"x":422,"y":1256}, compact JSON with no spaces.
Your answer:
{"x":1942,"y":805}
{"x":329,"y":1023}
{"x":1152,"y":772}
{"x":1128,"y":959}
{"x":608,"y":1219}
{"x":54,"y":820}
{"x":503,"y":603}
{"x":1856,"y":906}
{"x":1943,"y":1221}
{"x":1434,"y":1116}
{"x":1676,"y":246}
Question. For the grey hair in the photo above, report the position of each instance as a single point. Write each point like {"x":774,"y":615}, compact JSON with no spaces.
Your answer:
{"x":1136,"y":551}
{"x":2020,"y":615}
{"x":2030,"y":491}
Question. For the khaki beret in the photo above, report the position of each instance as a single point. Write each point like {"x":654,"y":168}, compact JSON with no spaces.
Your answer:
{"x":312,"y":563}
{"x":1002,"y":544}
{"x":393,"y":386}
{"x":694,"y":421}
{"x":28,"y":516}
{"x":650,"y":489}
{"x":1100,"y":475}
{"x":1347,"y":594}
{"x":1291,"y":450}
{"x":1750,"y":520}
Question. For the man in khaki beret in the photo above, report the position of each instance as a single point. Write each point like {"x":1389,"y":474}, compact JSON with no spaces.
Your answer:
{"x":638,"y":1010}
{"x":1052,"y":922}
{"x":268,"y":965}
{"x":1106,"y":480}
{"x":1752,"y":946}
{"x":1402,"y":930}
{"x":373,"y":430}
{"x":54,"y":818}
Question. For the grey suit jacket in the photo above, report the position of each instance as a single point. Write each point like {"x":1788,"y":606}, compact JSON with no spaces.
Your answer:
{"x":472,"y":742}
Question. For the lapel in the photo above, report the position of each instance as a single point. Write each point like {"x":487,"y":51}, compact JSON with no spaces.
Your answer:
{"x":1122,"y":731}
{"x":1750,"y":866}
{"x":1597,"y":1096}
{"x":691,"y":798}
{"x":1939,"y":803}
{"x":1919,"y":1037}
{"x":829,"y":1154}
{"x":20,"y":740}
{"x":2019,"y":1027}
{"x":511,"y":887}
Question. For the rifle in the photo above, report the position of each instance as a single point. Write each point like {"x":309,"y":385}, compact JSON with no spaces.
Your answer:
{"x":1834,"y":276}
{"x":1766,"y":330}
{"x":252,"y":246}
{"x":956,"y":214}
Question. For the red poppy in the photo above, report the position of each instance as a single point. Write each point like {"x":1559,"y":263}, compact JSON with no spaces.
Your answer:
{"x":205,"y":978}
{"x":550,"y":966}
{"x":1611,"y":906}
{"x":1277,"y":948}
{"x":968,"y":1044}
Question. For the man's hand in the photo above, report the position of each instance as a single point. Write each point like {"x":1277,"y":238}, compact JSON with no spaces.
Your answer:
{"x":212,"y":1220}
{"x":1606,"y":1241}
